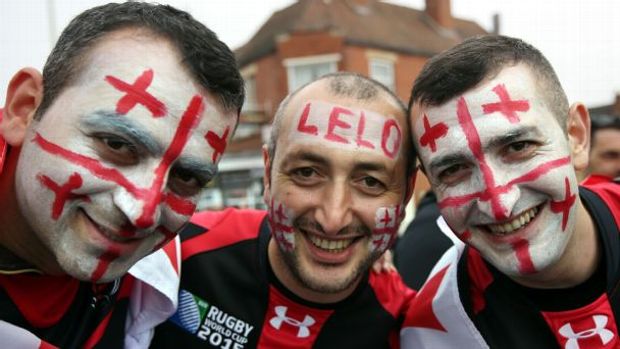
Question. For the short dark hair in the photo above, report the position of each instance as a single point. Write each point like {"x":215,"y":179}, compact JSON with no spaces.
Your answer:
{"x":464,"y":66}
{"x":208,"y":59}
{"x":350,"y":85}
{"x":602,"y":122}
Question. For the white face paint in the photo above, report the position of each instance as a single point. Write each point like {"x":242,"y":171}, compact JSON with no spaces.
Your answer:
{"x":387,"y":221}
{"x":116,"y":164}
{"x":347,"y":128}
{"x":500,"y":165}
{"x":331,"y":192}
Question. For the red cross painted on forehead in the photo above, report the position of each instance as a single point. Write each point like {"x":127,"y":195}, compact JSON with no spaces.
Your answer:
{"x":63,"y":192}
{"x":431,"y":134}
{"x":492,"y":190}
{"x":217,"y":143}
{"x":505,"y":105}
{"x":136,"y":94}
{"x":565,"y":205}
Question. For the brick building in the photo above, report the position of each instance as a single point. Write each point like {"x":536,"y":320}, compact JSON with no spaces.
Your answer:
{"x":311,"y":38}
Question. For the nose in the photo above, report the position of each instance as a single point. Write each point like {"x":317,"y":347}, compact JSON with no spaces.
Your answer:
{"x":144,"y":212}
{"x":334,"y":210}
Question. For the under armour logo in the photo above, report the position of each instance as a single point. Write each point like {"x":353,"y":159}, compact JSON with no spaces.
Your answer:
{"x":304,"y":326}
{"x":600,"y":323}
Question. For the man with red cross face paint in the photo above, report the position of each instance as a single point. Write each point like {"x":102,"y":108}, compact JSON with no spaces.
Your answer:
{"x":535,"y":256}
{"x":297,"y":276}
{"x":104,"y":158}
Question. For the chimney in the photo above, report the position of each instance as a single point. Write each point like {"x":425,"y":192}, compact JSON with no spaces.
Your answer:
{"x":439,"y":11}
{"x":496,"y":24}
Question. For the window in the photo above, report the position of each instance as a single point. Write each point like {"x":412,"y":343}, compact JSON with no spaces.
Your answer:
{"x":251,"y":103}
{"x":382,"y":70}
{"x":301,"y":71}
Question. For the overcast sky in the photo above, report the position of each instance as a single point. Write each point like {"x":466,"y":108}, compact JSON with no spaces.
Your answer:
{"x":581,"y":38}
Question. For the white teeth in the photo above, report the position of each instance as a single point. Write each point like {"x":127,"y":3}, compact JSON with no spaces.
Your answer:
{"x":330,"y":245}
{"x":515,"y":224}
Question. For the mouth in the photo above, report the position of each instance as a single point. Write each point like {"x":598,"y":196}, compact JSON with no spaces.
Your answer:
{"x":113,"y":235}
{"x":329,"y":245}
{"x":515,"y":224}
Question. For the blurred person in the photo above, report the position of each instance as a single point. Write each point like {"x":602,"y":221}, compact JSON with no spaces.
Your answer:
{"x":605,"y":147}
{"x":535,"y":257}
{"x":104,"y":156}
{"x":337,"y":177}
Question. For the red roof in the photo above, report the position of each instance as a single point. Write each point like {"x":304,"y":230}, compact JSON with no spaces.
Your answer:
{"x":376,"y":24}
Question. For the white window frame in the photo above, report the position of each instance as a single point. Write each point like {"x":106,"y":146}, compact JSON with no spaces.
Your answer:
{"x":292,"y":64}
{"x":375,"y":64}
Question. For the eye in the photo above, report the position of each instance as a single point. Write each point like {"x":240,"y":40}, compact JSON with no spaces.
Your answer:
{"x":520,"y":150}
{"x":116,"y":149}
{"x":372,"y":186}
{"x":453,"y":174}
{"x":305,"y":175}
{"x":185,"y":182}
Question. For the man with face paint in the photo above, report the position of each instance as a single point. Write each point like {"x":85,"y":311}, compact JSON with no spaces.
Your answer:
{"x":104,"y":157}
{"x":535,"y":256}
{"x":298,"y":276}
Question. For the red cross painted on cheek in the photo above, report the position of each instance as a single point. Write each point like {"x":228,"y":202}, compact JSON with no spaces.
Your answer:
{"x":564,"y":206}
{"x":505,"y":105}
{"x":63,"y":192}
{"x":136,"y":94}
{"x":279,"y":227}
{"x":217,"y":143}
{"x":431,"y":134}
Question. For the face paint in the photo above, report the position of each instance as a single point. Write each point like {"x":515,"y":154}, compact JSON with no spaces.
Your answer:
{"x":336,"y":169}
{"x":119,"y":165}
{"x":136,"y":93}
{"x":502,"y":172}
{"x":218,"y":143}
{"x":281,"y":223}
{"x":348,"y":128}
{"x":63,"y":192}
{"x":387,"y":221}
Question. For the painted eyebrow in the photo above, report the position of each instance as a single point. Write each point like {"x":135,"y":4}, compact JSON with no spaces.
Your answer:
{"x":204,"y":171}
{"x":512,"y":136}
{"x":102,"y":121}
{"x":446,"y":161}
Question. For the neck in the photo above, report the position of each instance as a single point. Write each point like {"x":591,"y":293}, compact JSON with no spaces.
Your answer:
{"x":284,"y":274}
{"x":580,"y":260}
{"x":19,"y":247}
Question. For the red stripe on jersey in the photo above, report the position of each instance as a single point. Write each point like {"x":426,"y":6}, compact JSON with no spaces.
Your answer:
{"x":480,"y":277}
{"x":610,"y":193}
{"x":170,"y":249}
{"x":592,"y":326}
{"x":289,"y":324}
{"x":42,"y":299}
{"x":224,"y":228}
{"x":391,"y":292}
{"x":46,"y":345}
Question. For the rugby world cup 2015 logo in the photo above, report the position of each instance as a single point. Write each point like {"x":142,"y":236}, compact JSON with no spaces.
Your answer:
{"x":191,"y":312}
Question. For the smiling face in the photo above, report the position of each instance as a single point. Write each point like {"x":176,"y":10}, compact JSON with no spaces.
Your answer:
{"x":500,"y":164}
{"x":336,"y":186}
{"x":114,"y":167}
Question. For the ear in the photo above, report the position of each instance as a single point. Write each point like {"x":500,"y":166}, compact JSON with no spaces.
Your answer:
{"x":24,"y":94}
{"x":578,"y":131}
{"x":267,"y":175}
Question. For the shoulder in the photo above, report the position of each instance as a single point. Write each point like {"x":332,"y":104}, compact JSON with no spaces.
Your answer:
{"x":210,"y":230}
